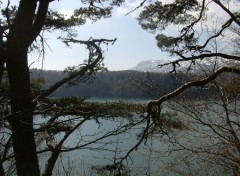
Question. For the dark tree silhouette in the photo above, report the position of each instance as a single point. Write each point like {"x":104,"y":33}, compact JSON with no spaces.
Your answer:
{"x":20,"y":31}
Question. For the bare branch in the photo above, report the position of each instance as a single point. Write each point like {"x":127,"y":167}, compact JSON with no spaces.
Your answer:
{"x":202,"y":56}
{"x":225,"y":26}
{"x":234,"y":18}
{"x":140,"y":5}
{"x":193,"y":58}
{"x":186,"y":29}
{"x":83,"y":70}
{"x":188,"y":85}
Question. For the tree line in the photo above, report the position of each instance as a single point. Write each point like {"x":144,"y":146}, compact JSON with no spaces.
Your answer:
{"x":118,"y":84}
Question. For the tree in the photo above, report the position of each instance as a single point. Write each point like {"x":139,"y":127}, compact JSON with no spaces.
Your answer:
{"x":201,"y":34}
{"x":194,"y":41}
{"x":23,"y":102}
{"x":20,"y":33}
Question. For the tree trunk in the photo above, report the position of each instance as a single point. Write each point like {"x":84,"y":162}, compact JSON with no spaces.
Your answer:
{"x":51,"y":163}
{"x":22,"y":120}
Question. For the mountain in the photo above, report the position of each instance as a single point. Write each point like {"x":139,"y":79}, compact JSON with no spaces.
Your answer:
{"x":186,"y":66}
{"x":150,"y":66}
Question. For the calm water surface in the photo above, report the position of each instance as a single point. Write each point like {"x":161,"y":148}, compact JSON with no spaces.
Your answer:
{"x":148,"y":159}
{"x":103,"y":152}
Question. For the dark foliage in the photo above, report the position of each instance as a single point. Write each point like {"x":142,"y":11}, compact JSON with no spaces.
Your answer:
{"x":115,"y":84}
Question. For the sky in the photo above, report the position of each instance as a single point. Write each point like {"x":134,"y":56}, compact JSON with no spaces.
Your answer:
{"x":133,"y":44}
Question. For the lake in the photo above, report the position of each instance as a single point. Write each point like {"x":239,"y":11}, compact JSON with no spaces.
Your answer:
{"x":104,"y":151}
{"x":160,"y":155}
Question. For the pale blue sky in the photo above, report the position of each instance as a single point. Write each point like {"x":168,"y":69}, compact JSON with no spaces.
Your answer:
{"x":133,"y":43}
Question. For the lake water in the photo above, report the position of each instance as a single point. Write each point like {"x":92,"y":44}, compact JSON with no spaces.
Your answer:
{"x":103,"y":152}
{"x":150,"y":159}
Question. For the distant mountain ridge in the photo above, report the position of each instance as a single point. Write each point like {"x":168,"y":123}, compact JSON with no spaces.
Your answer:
{"x":207,"y":64}
{"x":149,"y":66}
{"x":153,"y":66}
{"x":142,"y":81}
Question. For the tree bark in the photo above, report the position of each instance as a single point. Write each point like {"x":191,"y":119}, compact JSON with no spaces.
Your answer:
{"x":22,"y":120}
{"x":51,"y":163}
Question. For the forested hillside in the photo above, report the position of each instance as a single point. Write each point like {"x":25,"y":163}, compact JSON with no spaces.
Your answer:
{"x":116,"y":84}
